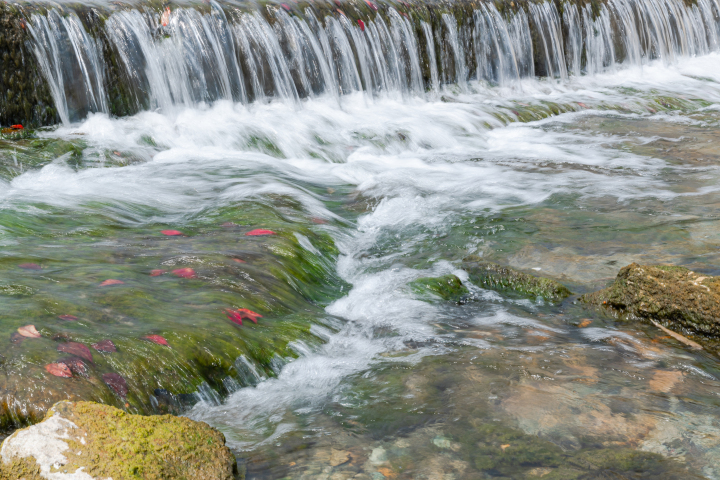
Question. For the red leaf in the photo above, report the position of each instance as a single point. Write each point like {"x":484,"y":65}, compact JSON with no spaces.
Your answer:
{"x":59,"y":370}
{"x":75,"y":365}
{"x":259,"y":231}
{"x":171,"y":233}
{"x":362,"y":25}
{"x":239,"y":260}
{"x":117,"y":383}
{"x":77,"y":349}
{"x":106,"y":346}
{"x":29,"y":331}
{"x":30,"y":266}
{"x":157,"y":272}
{"x":233,"y":316}
{"x":17,"y":127}
{"x":69,"y":318}
{"x":160,"y":340}
{"x":111,"y":282}
{"x":252,"y":316}
{"x":184,"y":272}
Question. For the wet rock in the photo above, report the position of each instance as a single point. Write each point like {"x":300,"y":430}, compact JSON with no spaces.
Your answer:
{"x":85,"y":441}
{"x":504,"y":279}
{"x":672,"y":296}
{"x":447,"y":287}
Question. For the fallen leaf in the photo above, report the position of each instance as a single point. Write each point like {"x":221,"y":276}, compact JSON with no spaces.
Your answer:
{"x":160,"y":340}
{"x":75,"y":365}
{"x":117,"y":383}
{"x":233,"y":316}
{"x":30,"y":266}
{"x":111,"y":282}
{"x":504,"y":446}
{"x":184,"y":272}
{"x":585,"y":323}
{"x":249,"y":314}
{"x":362,"y":25}
{"x":17,"y":127}
{"x":69,"y":318}
{"x":29,"y":331}
{"x":106,"y":346}
{"x":582,"y":105}
{"x":157,"y":272}
{"x":171,"y":233}
{"x":678,"y":337}
{"x":77,"y":349}
{"x":239,"y":260}
{"x":259,"y":231}
{"x":59,"y":370}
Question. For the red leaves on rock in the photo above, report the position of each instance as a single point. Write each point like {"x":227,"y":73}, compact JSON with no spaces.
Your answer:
{"x":30,"y":266}
{"x":157,"y":272}
{"x":259,"y":231}
{"x":117,"y":383}
{"x":59,"y":370}
{"x":77,"y":349}
{"x":69,"y":318}
{"x":75,"y":365}
{"x":362,"y":25}
{"x":184,"y":272}
{"x":171,"y":233}
{"x":236,"y":316}
{"x":160,"y":340}
{"x":106,"y":346}
{"x":111,"y":282}
{"x":29,"y":331}
{"x":17,"y":127}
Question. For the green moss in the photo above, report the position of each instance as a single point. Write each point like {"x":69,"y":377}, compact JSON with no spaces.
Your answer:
{"x":123,"y":446}
{"x":504,"y":279}
{"x":447,"y":287}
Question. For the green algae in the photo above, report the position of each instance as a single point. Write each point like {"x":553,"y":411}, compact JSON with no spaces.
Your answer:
{"x":447,"y":287}
{"x":505,"y":279}
{"x":122,"y":446}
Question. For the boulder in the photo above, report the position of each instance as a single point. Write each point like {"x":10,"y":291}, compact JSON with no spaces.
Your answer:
{"x":675,"y":297}
{"x":86,"y":441}
{"x":504,"y":279}
{"x":447,"y":287}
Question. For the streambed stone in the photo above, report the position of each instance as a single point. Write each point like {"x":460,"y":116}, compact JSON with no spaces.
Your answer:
{"x":86,"y":441}
{"x":505,"y":279}
{"x":676,"y":297}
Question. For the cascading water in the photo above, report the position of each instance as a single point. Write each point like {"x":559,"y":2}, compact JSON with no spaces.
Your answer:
{"x":232,"y":54}
{"x":272,"y":217}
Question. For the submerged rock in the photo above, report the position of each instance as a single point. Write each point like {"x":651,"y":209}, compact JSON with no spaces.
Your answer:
{"x":447,"y":287}
{"x":85,"y":441}
{"x":672,"y":296}
{"x":504,"y":279}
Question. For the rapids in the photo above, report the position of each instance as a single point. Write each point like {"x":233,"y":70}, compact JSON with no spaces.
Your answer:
{"x":567,"y":140}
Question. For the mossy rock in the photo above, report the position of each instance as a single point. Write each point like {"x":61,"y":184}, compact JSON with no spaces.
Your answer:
{"x":447,"y":287}
{"x":87,"y":440}
{"x":676,"y":297}
{"x":496,"y":277}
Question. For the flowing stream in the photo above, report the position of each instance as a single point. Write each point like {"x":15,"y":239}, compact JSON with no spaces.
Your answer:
{"x":381,"y":146}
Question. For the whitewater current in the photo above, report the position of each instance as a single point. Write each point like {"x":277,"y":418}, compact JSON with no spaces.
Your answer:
{"x":422,"y":168}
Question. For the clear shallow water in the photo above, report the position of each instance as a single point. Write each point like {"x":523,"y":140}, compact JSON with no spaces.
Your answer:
{"x":573,"y":180}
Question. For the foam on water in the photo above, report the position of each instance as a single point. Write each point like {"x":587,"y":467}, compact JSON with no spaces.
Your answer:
{"x":427,"y":163}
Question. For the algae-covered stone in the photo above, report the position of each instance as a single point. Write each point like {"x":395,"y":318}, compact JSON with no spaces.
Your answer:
{"x":447,"y":287}
{"x":85,"y":440}
{"x":504,"y":279}
{"x":674,"y":296}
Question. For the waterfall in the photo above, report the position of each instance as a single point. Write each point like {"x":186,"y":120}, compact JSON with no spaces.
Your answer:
{"x":227,"y":52}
